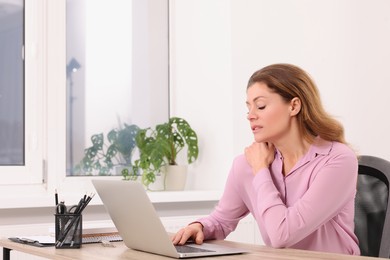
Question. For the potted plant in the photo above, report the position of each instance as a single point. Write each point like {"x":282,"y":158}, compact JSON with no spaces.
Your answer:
{"x":159,"y":148}
{"x":102,"y":156}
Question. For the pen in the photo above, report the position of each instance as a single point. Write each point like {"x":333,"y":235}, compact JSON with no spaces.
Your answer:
{"x":56,"y":197}
{"x":79,"y":206}
{"x":75,"y":232}
{"x":89,"y":198}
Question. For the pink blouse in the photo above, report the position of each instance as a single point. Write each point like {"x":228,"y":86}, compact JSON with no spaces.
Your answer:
{"x":311,"y":208}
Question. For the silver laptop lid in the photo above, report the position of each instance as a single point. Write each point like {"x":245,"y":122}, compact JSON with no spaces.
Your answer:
{"x":138,"y":223}
{"x":134,"y":216}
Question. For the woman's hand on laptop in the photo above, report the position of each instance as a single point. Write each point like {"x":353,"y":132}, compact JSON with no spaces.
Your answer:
{"x":193,"y":231}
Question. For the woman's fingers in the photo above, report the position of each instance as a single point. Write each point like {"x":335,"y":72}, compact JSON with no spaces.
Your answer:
{"x":259,"y":155}
{"x":193,"y":231}
{"x":177,"y":237}
{"x":187,"y":234}
{"x":199,"y":238}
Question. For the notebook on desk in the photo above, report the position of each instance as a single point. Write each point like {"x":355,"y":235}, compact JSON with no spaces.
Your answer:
{"x":139,"y":225}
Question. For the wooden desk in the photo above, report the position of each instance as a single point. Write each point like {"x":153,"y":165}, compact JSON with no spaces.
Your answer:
{"x":120,"y":251}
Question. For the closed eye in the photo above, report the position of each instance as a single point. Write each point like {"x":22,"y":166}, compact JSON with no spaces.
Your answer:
{"x":261,"y":108}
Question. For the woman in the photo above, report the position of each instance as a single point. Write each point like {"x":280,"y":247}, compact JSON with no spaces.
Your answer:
{"x":298,"y":178}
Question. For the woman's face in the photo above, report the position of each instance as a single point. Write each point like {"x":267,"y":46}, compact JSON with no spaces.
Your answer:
{"x":268,"y":114}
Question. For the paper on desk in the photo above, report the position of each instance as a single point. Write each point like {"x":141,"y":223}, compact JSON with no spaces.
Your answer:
{"x":41,"y":239}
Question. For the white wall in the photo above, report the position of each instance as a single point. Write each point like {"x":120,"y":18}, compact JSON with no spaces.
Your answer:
{"x":201,"y":84}
{"x":216,"y":46}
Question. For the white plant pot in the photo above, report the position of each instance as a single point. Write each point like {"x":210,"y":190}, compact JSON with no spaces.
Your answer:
{"x":175,"y":177}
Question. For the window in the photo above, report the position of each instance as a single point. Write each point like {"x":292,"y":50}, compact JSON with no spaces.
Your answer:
{"x":11,"y":84}
{"x":116,"y":74}
{"x":20,"y":96}
{"x":67,"y":88}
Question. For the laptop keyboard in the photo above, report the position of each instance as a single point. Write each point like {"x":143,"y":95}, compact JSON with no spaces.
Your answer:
{"x":190,"y":249}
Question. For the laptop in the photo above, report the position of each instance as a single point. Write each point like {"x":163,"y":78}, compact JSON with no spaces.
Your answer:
{"x":139,"y":225}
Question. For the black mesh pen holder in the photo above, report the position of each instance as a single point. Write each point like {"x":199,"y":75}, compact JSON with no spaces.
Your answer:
{"x":68,"y":230}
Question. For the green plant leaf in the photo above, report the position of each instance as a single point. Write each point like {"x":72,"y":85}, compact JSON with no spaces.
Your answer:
{"x":126,"y":142}
{"x":191,"y":139}
{"x":104,"y":171}
{"x":112,"y":136}
{"x":97,"y":141}
{"x":192,"y":143}
{"x":148,"y":178}
{"x":160,"y":146}
{"x":91,"y":152}
{"x":111,"y":151}
{"x":120,"y":146}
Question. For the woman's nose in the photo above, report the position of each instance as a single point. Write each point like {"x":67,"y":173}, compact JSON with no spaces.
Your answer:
{"x":250,"y":116}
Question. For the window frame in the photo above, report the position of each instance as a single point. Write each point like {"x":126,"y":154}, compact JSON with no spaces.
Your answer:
{"x":33,"y":185}
{"x":32,"y":172}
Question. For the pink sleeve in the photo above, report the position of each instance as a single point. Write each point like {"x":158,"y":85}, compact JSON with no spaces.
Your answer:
{"x":227,"y":213}
{"x":328,"y":193}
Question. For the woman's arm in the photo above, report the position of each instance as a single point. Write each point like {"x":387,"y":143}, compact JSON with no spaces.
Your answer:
{"x":224,"y":218}
{"x":230,"y":209}
{"x":332,"y":188}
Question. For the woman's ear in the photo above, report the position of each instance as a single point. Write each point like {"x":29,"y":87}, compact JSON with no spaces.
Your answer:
{"x":295,"y":106}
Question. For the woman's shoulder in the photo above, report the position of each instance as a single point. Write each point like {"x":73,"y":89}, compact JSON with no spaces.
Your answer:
{"x":335,"y":152}
{"x":333,"y":148}
{"x":240,"y":160}
{"x":342,"y":149}
{"x":241,"y":165}
{"x":343,"y":155}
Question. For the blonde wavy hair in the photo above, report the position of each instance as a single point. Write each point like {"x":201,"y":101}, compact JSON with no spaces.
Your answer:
{"x":290,"y":81}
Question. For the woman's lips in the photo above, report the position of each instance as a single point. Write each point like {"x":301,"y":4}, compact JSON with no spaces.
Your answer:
{"x":256,"y":128}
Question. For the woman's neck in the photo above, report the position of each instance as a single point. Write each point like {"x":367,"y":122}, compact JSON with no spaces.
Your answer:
{"x":292,"y":150}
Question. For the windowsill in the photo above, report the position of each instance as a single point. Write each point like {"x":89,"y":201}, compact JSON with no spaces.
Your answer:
{"x":185,"y":196}
{"x":43,"y":200}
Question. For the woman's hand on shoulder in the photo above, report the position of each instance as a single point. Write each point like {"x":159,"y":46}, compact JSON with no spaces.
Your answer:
{"x":259,"y":155}
{"x":193,"y":231}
